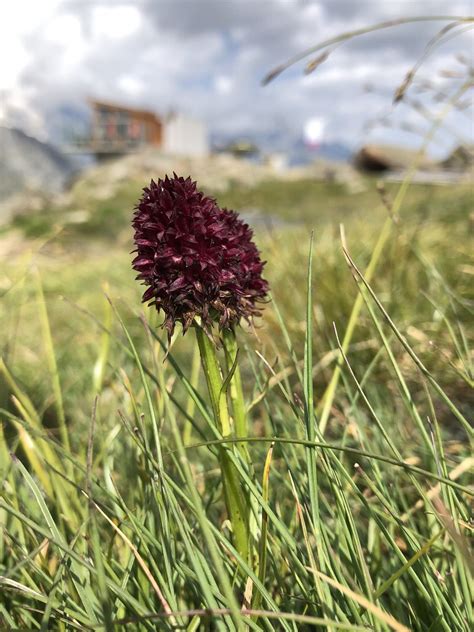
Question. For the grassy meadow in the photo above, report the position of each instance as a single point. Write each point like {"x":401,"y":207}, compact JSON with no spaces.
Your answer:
{"x":358,"y":388}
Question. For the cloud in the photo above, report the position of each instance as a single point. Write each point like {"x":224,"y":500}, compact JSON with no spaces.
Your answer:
{"x":115,"y":23}
{"x":208,"y":58}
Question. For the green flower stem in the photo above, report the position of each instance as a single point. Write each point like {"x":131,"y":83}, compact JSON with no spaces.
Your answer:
{"x":235,"y":500}
{"x":191,"y":407}
{"x":214,"y":381}
{"x":241,"y":428}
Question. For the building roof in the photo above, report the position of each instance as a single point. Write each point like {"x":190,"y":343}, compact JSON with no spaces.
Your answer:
{"x":115,"y":107}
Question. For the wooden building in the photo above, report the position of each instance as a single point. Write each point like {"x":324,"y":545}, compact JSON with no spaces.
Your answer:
{"x":117,"y":129}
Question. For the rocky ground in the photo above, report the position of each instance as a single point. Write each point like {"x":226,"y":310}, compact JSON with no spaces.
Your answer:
{"x":37,"y":178}
{"x":215,"y":173}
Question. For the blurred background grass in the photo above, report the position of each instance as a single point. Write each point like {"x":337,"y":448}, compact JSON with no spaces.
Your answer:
{"x":425,"y":276}
{"x":424,"y":280}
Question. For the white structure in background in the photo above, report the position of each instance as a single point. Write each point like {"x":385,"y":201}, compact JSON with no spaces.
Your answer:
{"x":184,"y":136}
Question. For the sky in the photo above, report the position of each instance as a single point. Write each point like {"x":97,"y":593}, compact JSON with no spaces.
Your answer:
{"x":207,"y":58}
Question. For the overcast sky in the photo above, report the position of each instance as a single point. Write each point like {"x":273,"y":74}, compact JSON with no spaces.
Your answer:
{"x":207,"y":58}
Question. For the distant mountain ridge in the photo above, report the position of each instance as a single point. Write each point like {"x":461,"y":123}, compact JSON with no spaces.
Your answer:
{"x":295,"y":148}
{"x":301,"y":153}
{"x":27,"y":163}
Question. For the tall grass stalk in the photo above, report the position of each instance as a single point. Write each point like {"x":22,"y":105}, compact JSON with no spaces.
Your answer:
{"x":329,"y":394}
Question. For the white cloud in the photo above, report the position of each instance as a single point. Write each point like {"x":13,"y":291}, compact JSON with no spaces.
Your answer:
{"x":115,"y":23}
{"x":130,"y":85}
{"x":63,"y":30}
{"x":207,"y":58}
{"x":223,"y":84}
{"x":18,"y":19}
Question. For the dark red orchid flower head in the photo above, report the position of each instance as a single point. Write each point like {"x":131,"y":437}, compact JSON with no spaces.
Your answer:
{"x":197,"y":259}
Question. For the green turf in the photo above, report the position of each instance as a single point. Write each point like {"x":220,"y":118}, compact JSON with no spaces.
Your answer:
{"x":111,"y":528}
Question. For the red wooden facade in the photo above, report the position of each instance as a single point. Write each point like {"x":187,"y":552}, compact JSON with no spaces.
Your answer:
{"x":116,"y":128}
